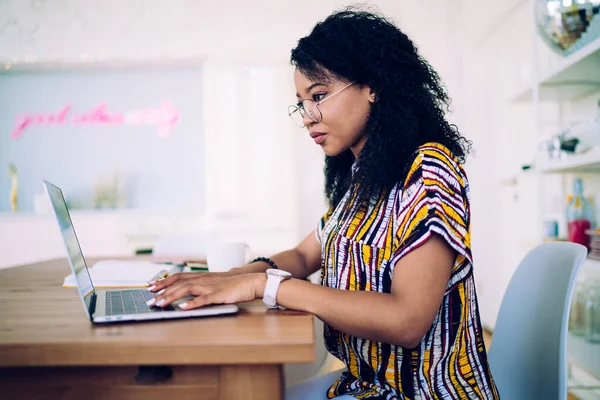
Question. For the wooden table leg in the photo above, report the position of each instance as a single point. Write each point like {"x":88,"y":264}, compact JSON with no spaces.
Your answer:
{"x":251,"y":382}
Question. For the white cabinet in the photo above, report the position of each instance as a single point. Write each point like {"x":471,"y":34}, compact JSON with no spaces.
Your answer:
{"x":26,"y":238}
{"x":99,"y":235}
{"x":29,"y":238}
{"x":19,"y":241}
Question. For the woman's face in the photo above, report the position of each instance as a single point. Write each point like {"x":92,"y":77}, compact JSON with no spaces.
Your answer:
{"x":344,"y":116}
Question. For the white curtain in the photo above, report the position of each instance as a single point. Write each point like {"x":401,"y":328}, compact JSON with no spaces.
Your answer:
{"x":253,"y":162}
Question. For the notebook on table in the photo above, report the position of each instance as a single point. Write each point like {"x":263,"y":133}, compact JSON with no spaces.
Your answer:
{"x":107,"y":306}
{"x":125,"y":273}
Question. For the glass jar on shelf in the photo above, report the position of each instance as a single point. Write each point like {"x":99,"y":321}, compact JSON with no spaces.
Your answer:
{"x":592,"y":314}
{"x":580,"y":216}
{"x":578,"y":324}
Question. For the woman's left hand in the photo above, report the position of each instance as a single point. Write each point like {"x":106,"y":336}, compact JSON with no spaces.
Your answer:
{"x":225,"y":290}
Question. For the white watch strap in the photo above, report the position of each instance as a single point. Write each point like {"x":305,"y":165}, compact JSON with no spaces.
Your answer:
{"x":271,"y":288}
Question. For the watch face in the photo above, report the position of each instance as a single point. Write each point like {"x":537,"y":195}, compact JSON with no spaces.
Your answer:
{"x":278,"y":272}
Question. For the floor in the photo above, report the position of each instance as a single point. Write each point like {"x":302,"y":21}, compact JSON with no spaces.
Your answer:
{"x":487,"y":338}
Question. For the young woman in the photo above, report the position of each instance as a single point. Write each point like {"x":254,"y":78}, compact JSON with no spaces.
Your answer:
{"x":394,"y":249}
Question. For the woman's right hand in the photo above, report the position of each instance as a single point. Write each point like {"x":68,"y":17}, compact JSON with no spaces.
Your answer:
{"x":180,"y":276}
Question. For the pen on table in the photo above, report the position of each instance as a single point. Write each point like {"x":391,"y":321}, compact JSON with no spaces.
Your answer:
{"x":159,"y":277}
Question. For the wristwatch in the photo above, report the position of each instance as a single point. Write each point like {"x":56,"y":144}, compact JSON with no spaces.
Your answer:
{"x":274,"y":278}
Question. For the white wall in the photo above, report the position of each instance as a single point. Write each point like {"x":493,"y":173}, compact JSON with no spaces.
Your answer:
{"x":493,"y":42}
{"x":480,"y":48}
{"x":262,"y":31}
{"x":266,"y":163}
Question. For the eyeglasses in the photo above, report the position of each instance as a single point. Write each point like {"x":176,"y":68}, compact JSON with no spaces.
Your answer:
{"x":310,"y":108}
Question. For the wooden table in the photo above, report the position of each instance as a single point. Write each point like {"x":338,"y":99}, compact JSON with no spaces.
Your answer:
{"x":50,"y":350}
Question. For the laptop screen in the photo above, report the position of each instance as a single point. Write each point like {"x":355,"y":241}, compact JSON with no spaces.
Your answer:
{"x":74,"y":254}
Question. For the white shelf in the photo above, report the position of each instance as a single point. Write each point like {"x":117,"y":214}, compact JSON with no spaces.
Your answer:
{"x":591,"y":265}
{"x":585,"y":354}
{"x":585,"y":162}
{"x":581,"y":383}
{"x":575,"y":76}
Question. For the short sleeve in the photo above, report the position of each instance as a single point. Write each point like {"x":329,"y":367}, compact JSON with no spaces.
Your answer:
{"x":321,"y":225}
{"x":435,"y":199}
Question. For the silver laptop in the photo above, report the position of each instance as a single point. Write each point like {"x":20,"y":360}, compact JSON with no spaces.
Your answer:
{"x":106,"y":306}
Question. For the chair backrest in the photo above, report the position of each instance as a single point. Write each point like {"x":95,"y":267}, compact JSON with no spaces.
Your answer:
{"x":528,"y":354}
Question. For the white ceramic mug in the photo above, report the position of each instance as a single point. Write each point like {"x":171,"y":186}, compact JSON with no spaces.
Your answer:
{"x":221,"y":256}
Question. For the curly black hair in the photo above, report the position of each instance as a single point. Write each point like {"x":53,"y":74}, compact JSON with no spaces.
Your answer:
{"x":367,"y":48}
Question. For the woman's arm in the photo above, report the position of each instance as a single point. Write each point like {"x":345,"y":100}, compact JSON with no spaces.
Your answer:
{"x":401,"y":317}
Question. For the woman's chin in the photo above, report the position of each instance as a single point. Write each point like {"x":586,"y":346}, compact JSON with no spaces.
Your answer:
{"x":331,"y":151}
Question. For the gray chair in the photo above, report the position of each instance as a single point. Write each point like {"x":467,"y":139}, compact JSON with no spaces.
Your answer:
{"x":528,"y":355}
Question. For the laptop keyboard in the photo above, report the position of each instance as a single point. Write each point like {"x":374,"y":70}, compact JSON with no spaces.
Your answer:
{"x":132,"y":301}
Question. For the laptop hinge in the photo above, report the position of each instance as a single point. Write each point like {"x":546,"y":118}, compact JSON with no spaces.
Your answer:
{"x":92,"y":308}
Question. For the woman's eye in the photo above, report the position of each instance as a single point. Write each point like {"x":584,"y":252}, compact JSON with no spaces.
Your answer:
{"x":318,"y":96}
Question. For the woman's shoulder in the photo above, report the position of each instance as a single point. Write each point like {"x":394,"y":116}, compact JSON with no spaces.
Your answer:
{"x":433,"y":151}
{"x":434,"y":158}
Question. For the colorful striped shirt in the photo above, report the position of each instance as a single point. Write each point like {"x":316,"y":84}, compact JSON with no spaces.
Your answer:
{"x":359,"y":251}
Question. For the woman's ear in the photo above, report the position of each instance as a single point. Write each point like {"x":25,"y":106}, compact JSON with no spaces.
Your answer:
{"x":371,"y":95}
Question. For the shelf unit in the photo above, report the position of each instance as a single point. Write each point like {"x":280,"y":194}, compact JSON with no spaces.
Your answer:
{"x":588,"y":162}
{"x":592,"y":265}
{"x":584,"y":359}
{"x":569,"y":80}
{"x":575,"y":76}
{"x":590,"y":270}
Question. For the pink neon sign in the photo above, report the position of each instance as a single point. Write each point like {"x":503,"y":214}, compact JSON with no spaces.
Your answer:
{"x":165,"y":117}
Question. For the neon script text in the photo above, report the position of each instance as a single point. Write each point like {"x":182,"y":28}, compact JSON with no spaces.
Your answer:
{"x":165,"y":117}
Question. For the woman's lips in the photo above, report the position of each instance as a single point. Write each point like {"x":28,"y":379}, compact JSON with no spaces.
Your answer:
{"x":318,"y":137}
